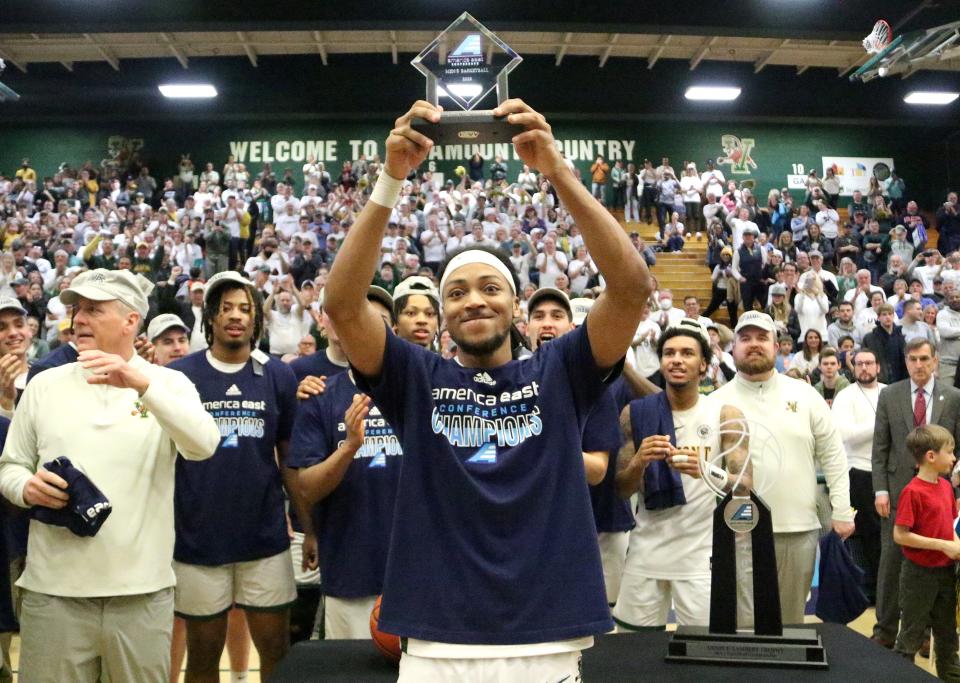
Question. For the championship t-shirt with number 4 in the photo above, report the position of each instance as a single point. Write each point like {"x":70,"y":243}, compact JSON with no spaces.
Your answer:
{"x":493,"y":541}
{"x":230,"y":508}
{"x":353,"y":522}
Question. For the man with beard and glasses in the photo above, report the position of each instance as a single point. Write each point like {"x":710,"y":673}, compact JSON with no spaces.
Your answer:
{"x":855,"y":414}
{"x":809,"y":441}
{"x":232,"y":544}
{"x":493,"y":495}
{"x":668,"y":561}
{"x":948,"y":325}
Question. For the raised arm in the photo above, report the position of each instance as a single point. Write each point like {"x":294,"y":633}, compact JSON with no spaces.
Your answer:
{"x":615,"y":317}
{"x":356,"y":321}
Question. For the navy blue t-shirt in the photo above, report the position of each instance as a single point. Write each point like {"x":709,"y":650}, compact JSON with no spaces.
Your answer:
{"x":602,"y":433}
{"x":353,"y":522}
{"x":230,"y":508}
{"x":493,"y":538}
{"x":316,"y":364}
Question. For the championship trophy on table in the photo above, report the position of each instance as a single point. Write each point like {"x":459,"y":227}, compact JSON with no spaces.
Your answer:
{"x":739,"y":460}
{"x":468,"y":61}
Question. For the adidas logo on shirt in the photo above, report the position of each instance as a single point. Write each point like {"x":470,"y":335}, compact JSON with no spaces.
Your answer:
{"x":233,"y":391}
{"x":484,"y":378}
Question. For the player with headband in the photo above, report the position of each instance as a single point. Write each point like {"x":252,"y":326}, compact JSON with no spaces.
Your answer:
{"x":493,"y":522}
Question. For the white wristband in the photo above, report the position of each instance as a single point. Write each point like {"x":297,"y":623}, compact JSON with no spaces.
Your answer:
{"x":387,"y":191}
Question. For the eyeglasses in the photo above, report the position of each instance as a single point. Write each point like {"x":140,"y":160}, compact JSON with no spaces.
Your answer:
{"x":864,"y":363}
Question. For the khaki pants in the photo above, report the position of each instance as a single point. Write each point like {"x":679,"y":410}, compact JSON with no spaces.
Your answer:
{"x":796,"y":555}
{"x":113,"y":640}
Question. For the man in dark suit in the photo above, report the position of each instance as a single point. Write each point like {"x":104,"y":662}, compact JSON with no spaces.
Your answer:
{"x":907,"y":404}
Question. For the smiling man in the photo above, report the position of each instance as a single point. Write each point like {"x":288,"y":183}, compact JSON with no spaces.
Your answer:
{"x":668,"y":557}
{"x":492,"y":495}
{"x":14,"y":342}
{"x":101,"y":607}
{"x":168,"y":334}
{"x":232,"y":543}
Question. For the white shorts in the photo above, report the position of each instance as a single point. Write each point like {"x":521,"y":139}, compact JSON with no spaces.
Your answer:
{"x":310,"y":577}
{"x":644,"y":603}
{"x":565,"y":667}
{"x":206,"y":592}
{"x":347,"y":618}
{"x":613,"y":555}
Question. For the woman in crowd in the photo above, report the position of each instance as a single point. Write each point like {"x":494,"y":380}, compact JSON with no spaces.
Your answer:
{"x":811,"y":304}
{"x":631,"y":211}
{"x":8,"y":274}
{"x":672,"y":236}
{"x":800,"y":224}
{"x":866,"y":319}
{"x":724,"y":290}
{"x":831,"y":187}
{"x":782,"y":312}
{"x":807,"y":359}
{"x":648,"y":191}
{"x":846,"y":277}
{"x":786,"y":247}
{"x":816,"y":241}
{"x":718,"y":239}
{"x":691,"y":186}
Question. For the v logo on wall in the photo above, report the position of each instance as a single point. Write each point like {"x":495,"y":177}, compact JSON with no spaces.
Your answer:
{"x":736,"y":153}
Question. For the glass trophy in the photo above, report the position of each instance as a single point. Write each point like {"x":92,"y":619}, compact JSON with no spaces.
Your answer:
{"x":467,"y":61}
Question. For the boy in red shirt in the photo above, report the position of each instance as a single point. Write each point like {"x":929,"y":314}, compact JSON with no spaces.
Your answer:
{"x":924,"y":528}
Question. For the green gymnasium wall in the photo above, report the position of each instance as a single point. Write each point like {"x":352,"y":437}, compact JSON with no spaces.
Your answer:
{"x":778,"y":150}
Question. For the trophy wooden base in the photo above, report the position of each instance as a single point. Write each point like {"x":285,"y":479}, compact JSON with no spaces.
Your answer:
{"x":797,"y":648}
{"x":468,"y":127}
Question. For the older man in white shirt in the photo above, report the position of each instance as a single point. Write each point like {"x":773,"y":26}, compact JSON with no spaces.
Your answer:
{"x":101,"y":607}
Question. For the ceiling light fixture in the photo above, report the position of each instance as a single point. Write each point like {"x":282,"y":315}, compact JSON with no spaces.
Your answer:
{"x":713,"y":93}
{"x":188,"y":90}
{"x":930,"y":97}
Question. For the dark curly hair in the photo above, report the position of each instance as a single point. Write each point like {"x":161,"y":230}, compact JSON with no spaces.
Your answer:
{"x":211,"y":306}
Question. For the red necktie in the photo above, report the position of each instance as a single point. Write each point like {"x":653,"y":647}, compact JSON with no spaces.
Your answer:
{"x":920,"y":409}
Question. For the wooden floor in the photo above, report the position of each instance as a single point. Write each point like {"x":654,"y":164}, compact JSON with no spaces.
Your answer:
{"x":862,"y":625}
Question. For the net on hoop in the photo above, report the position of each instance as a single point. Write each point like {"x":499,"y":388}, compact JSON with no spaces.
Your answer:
{"x":879,"y":37}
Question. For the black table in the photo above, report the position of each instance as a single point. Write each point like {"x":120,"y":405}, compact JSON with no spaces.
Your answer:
{"x":621,"y":657}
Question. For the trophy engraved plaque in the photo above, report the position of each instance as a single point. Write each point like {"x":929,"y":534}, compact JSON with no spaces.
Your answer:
{"x":467,"y":61}
{"x":739,"y":459}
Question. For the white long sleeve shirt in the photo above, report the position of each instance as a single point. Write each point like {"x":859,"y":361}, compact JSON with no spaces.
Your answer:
{"x":812,"y":313}
{"x":855,"y":414}
{"x":127,"y":447}
{"x":948,"y":325}
{"x":808,"y":440}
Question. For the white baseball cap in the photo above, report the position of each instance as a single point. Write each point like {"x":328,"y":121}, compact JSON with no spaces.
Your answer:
{"x":9,"y":303}
{"x":164,"y":322}
{"x":110,"y":285}
{"x":756,"y":319}
{"x":416,"y":284}
{"x":580,"y":307}
{"x":222,"y":277}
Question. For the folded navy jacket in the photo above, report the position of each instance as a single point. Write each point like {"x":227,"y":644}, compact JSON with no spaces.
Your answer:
{"x":840,"y":599}
{"x":86,"y":510}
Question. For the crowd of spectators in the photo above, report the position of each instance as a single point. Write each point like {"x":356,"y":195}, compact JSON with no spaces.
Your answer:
{"x":826,"y":280}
